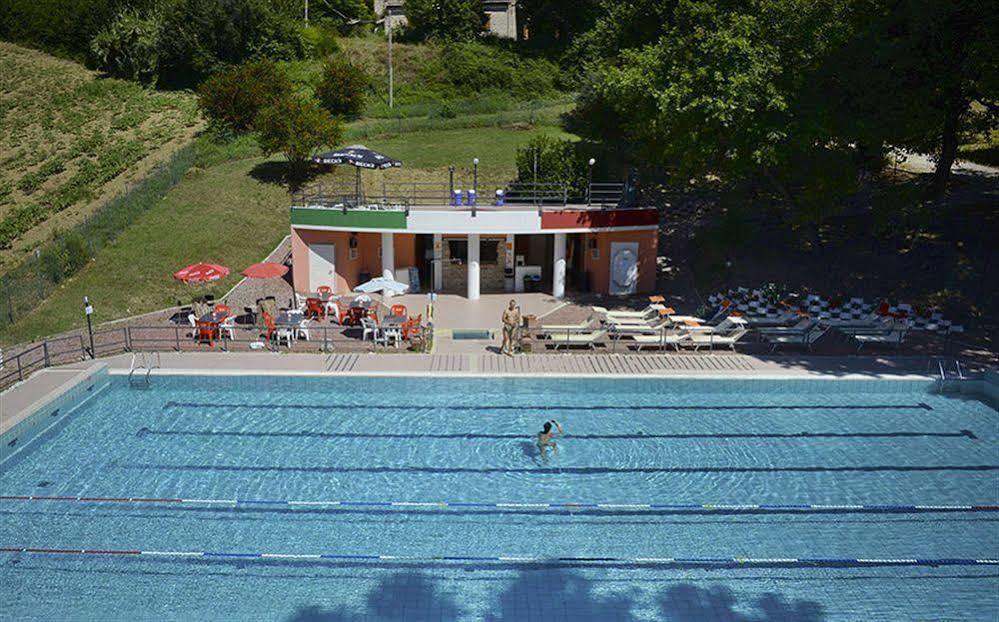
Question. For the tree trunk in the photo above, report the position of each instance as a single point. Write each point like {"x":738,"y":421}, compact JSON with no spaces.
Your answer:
{"x":948,"y":146}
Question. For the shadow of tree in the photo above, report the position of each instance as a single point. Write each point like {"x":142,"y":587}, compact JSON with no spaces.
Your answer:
{"x":561,"y":593}
{"x":280,"y":173}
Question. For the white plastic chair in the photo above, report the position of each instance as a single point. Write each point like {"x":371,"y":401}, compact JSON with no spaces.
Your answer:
{"x":284,"y":334}
{"x":369,"y":328}
{"x":193,"y":321}
{"x":303,"y":329}
{"x":228,"y":327}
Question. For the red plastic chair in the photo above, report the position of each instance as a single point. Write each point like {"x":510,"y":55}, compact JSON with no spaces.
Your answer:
{"x":271,"y":326}
{"x":400,"y":310}
{"x":221,"y":308}
{"x":315,"y":308}
{"x":412,"y":327}
{"x":206,"y":332}
{"x":324,"y":290}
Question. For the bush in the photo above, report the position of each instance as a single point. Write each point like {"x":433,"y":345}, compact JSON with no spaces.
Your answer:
{"x":205,"y":35}
{"x":297,"y":127}
{"x":128,"y":48}
{"x":559,"y":160}
{"x":341,"y":90}
{"x":64,"y":256}
{"x":448,"y":20}
{"x":232,"y":98}
{"x":318,"y":41}
{"x":475,"y":67}
{"x":57,"y":25}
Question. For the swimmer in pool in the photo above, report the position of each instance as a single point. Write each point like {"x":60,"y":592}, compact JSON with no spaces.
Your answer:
{"x":545,"y":439}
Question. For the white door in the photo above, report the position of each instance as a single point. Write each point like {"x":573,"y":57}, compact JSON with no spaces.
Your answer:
{"x":322,"y":266}
{"x":623,"y":268}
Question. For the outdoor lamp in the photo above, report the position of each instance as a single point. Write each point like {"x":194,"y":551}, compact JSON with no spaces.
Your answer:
{"x":592,"y":161}
{"x":88,"y":310}
{"x":475,"y":174}
{"x":589,"y":180}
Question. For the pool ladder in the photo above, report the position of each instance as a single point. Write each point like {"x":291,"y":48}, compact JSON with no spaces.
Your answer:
{"x":947,"y":381}
{"x":145,"y":367}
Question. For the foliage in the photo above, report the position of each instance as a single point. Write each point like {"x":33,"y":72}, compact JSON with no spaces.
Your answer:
{"x":476,"y":67}
{"x":56,"y":25}
{"x":553,"y":24}
{"x":205,"y":35}
{"x":318,"y":41}
{"x":233,"y":97}
{"x":297,"y":127}
{"x":341,"y":90}
{"x":444,"y":20}
{"x":559,"y":160}
{"x":128,"y":48}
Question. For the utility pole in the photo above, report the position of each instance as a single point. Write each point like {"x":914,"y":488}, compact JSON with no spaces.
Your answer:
{"x":388,"y":30}
{"x":306,"y":11}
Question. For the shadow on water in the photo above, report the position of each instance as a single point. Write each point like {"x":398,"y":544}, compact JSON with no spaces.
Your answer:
{"x":562,"y":594}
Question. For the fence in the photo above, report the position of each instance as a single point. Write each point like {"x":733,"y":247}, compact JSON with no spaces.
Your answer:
{"x":181,"y":338}
{"x":33,"y":280}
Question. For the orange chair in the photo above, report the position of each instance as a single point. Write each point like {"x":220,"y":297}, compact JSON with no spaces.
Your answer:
{"x":221,"y":308}
{"x":315,"y":308}
{"x":206,"y":332}
{"x":400,"y":310}
{"x":412,"y":327}
{"x":324,"y":290}
{"x":271,"y":326}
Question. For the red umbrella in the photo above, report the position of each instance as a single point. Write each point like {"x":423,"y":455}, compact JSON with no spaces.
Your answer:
{"x":266,"y":270}
{"x":201,"y":273}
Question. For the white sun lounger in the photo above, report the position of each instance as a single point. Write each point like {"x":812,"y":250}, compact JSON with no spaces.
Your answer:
{"x":895,"y":338}
{"x":577,"y":339}
{"x":648,"y":312}
{"x":674,"y":340}
{"x":806,"y":339}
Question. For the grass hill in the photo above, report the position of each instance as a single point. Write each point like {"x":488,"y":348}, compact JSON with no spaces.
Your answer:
{"x":71,"y":140}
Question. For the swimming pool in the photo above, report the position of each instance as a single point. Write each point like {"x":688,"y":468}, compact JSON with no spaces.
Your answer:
{"x":355,"y":467}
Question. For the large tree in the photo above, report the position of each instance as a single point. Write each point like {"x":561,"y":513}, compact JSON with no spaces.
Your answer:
{"x":448,"y":20}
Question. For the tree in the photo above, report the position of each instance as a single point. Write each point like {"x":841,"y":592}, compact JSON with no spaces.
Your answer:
{"x":233,"y":97}
{"x":341,"y":90}
{"x":448,"y":20}
{"x":296,"y":127}
{"x":556,"y":23}
{"x":129,"y":48}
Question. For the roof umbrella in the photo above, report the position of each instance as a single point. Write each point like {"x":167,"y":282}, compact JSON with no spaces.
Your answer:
{"x":359,"y":157}
{"x":268,"y":270}
{"x":201,"y":273}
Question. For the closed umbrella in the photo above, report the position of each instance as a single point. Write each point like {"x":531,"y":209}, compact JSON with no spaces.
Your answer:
{"x":201,"y":273}
{"x":383,"y":285}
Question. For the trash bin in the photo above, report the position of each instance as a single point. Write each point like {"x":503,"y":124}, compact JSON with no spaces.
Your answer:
{"x":364,"y":277}
{"x":532,"y":283}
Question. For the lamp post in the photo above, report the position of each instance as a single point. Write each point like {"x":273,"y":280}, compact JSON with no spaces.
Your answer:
{"x":475,"y":176}
{"x":88,"y":310}
{"x":388,"y":30}
{"x":589,"y":181}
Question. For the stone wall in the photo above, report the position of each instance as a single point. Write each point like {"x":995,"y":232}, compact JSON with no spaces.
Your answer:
{"x":491,"y":278}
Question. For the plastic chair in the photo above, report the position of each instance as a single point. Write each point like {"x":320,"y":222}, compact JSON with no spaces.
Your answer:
{"x":324,"y":290}
{"x":269,"y":322}
{"x":369,"y":328}
{"x":315,"y":308}
{"x":228,"y":327}
{"x":400,"y":310}
{"x":303,"y":329}
{"x":206,"y":332}
{"x":221,"y":308}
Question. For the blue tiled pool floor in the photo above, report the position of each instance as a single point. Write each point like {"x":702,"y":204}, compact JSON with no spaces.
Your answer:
{"x":418,"y":440}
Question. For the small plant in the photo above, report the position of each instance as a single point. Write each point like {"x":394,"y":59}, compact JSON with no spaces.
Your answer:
{"x":773,"y":293}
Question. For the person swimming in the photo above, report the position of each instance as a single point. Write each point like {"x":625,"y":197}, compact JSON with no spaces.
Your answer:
{"x":545,"y":438}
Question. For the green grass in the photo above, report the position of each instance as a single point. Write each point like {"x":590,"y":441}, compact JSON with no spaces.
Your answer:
{"x":222,"y":212}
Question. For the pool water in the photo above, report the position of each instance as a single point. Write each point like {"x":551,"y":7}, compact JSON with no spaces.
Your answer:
{"x":365,"y":440}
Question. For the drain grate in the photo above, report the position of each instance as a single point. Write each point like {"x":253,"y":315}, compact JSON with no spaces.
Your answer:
{"x":462,"y":334}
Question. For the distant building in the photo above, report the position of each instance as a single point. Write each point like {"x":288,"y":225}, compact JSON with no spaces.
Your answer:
{"x":501,"y":15}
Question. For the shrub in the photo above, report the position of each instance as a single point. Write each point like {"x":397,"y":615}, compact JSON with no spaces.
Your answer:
{"x":475,"y":67}
{"x":232,"y":98}
{"x":559,"y":161}
{"x":296,"y":127}
{"x":341,"y":90}
{"x":448,"y":20}
{"x":128,"y":48}
{"x":318,"y":41}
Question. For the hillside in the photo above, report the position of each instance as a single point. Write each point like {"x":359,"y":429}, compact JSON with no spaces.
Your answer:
{"x":71,"y":140}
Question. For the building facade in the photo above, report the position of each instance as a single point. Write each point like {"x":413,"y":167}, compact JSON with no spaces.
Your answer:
{"x":500,"y":15}
{"x":470,"y":250}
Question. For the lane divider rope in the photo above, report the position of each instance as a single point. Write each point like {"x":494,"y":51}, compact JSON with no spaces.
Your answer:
{"x":721,"y":507}
{"x":670,"y":561}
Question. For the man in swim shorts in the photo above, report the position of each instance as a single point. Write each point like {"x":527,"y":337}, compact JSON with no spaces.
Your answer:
{"x":545,"y":438}
{"x":511,"y":320}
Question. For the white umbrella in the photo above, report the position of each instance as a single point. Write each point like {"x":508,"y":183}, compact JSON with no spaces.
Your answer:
{"x":381,"y":284}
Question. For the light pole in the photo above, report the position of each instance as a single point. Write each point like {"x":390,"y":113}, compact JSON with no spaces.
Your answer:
{"x":88,"y":310}
{"x":475,"y":176}
{"x":589,"y":181}
{"x":388,"y":30}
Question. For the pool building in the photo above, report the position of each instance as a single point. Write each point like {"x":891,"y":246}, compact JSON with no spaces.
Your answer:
{"x":528,"y":237}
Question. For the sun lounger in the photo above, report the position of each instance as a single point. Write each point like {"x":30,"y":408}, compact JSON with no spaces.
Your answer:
{"x":806,"y":339}
{"x":895,"y":338}
{"x":578,"y":340}
{"x":802,"y":326}
{"x":727,"y":333}
{"x":640,"y":329}
{"x":673,"y":340}
{"x":553,"y":331}
{"x":648,"y":312}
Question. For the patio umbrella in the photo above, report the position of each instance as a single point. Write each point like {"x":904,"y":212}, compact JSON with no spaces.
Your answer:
{"x":268,"y":270}
{"x":201,"y":273}
{"x":383,"y":285}
{"x":359,"y":157}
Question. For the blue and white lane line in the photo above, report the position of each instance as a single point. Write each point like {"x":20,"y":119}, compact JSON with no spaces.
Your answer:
{"x":530,"y":559}
{"x":721,"y":507}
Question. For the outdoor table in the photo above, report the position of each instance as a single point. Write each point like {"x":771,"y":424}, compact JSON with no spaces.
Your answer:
{"x":214,"y":317}
{"x":288,"y":319}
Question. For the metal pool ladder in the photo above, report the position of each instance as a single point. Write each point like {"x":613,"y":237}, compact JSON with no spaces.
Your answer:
{"x":146,"y":365}
{"x":948,"y":381}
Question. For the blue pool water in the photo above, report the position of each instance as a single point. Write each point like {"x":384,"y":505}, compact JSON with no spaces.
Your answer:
{"x":470,"y":440}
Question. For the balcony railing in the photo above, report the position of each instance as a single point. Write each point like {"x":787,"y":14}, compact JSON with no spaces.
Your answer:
{"x":403,"y":196}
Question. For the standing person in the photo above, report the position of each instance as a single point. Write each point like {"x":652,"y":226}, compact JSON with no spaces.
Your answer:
{"x":511,"y":320}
